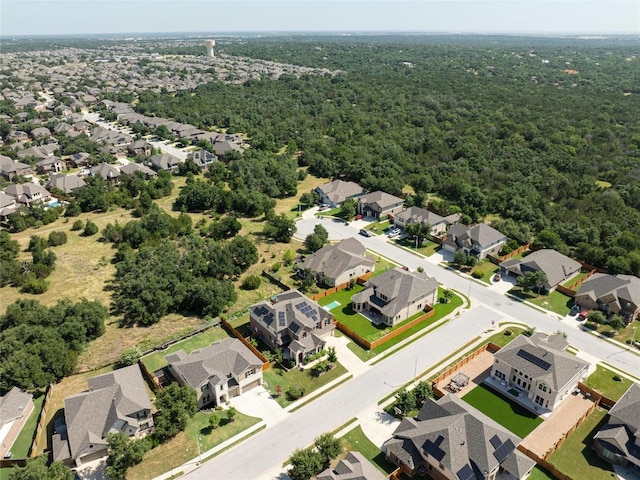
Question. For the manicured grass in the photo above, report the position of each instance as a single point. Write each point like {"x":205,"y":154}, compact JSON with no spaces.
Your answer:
{"x":583,"y":273}
{"x":184,"y":446}
{"x":22,"y":445}
{"x":624,"y":334}
{"x":576,"y":458}
{"x":555,"y":301}
{"x":539,"y":473}
{"x":488,"y":270}
{"x":501,"y":339}
{"x":356,"y":440}
{"x":329,"y":213}
{"x":602,"y":381}
{"x":156,"y":360}
{"x":276,"y":376}
{"x":510,"y":415}
{"x":378,"y":227}
{"x":427,"y":248}
{"x":382,"y":264}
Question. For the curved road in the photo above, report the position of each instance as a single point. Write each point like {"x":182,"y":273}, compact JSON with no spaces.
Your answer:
{"x":271,"y":447}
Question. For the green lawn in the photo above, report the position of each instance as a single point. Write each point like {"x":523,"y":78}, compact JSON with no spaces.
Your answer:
{"x":442,"y":310}
{"x":22,"y":445}
{"x":576,"y":458}
{"x":184,"y":446}
{"x":356,"y":440}
{"x":583,"y":273}
{"x":329,"y":213}
{"x":488,"y":270}
{"x":602,"y":381}
{"x":378,"y":227}
{"x":156,"y":360}
{"x":625,"y":334}
{"x":501,"y":338}
{"x":510,"y":415}
{"x":555,"y":301}
{"x":427,"y":248}
{"x":539,"y":473}
{"x":276,"y":376}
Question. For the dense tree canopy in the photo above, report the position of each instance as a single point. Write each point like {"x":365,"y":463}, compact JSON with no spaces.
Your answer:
{"x":541,"y":132}
{"x":39,"y":345}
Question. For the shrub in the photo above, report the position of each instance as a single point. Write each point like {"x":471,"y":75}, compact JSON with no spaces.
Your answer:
{"x":591,"y":325}
{"x":251,"y":282}
{"x":617,"y":378}
{"x":295,"y":392}
{"x":77,"y":225}
{"x":57,"y":238}
{"x":508,"y":333}
{"x":35,"y":286}
{"x":477,"y":274}
{"x":129,"y":357}
{"x":90,"y":228}
{"x":275,"y":267}
{"x":319,"y":368}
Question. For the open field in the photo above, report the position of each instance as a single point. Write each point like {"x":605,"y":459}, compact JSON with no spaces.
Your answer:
{"x":510,"y":415}
{"x":576,"y":458}
{"x":290,"y":205}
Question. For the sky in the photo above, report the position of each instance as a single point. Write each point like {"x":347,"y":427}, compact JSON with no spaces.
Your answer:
{"x":73,"y":17}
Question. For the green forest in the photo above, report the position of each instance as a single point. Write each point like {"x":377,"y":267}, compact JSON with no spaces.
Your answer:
{"x":540,"y":137}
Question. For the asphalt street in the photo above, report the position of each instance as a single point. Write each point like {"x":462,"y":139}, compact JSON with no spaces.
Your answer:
{"x":271,"y":447}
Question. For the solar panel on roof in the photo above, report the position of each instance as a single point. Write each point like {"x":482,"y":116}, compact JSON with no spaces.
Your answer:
{"x":466,"y":473}
{"x":281,"y":319}
{"x":533,"y":359}
{"x":434,"y":450}
{"x":294,"y":327}
{"x":268,"y":318}
{"x":503,"y":452}
{"x":298,"y":306}
{"x":495,"y":442}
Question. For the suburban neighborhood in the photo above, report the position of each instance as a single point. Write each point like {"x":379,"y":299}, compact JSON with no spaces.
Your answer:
{"x":181,"y":301}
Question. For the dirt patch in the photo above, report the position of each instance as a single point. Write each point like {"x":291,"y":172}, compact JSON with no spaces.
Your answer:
{"x":571,"y":72}
{"x":542,"y":440}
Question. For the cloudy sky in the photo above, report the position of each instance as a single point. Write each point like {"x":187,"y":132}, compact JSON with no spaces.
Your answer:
{"x":44,"y":17}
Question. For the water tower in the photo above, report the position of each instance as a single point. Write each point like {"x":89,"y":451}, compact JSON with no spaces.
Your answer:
{"x":210,"y":44}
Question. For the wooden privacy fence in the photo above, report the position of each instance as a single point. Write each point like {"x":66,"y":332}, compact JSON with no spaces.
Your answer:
{"x":151,"y":378}
{"x":275,"y":280}
{"x":491,"y":347}
{"x":235,"y":333}
{"x":366,"y":344}
{"x":41,"y":423}
{"x":360,"y":280}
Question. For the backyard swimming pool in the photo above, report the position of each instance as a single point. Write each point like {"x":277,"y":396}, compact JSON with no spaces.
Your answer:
{"x":332,"y":305}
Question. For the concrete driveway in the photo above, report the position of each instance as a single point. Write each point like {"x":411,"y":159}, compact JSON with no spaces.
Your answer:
{"x":258,"y":402}
{"x":93,"y":470}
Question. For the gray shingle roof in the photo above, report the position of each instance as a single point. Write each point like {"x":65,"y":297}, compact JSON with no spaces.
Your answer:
{"x":66,"y":183}
{"x":422,"y":215}
{"x":13,"y":404}
{"x":381,"y":199}
{"x":562,"y":366}
{"x":112,"y":398}
{"x":627,"y":408}
{"x":482,"y":234}
{"x":556,"y":266}
{"x":338,"y":190}
{"x":457,"y":436}
{"x":625,"y":287}
{"x":399,"y":286}
{"x":354,"y":466}
{"x":215,"y":362}
{"x":334,"y":260}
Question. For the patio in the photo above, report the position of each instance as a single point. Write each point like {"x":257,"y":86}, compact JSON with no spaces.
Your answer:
{"x":517,"y":395}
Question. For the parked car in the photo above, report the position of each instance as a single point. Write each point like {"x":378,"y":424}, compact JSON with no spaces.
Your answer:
{"x":358,"y":217}
{"x":365,"y":233}
{"x":574,"y":310}
{"x":583,"y":315}
{"x":393,"y":231}
{"x":497,"y":277}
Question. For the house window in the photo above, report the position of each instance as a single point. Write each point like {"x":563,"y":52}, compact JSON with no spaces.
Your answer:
{"x":144,"y":426}
{"x":327,"y":321}
{"x":514,"y":378}
{"x":249,"y":372}
{"x":204,"y":388}
{"x":304,"y":334}
{"x":542,"y":387}
{"x":500,"y":375}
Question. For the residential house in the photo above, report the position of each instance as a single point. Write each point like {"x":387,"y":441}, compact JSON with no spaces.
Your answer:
{"x":451,"y":440}
{"x":395,"y":295}
{"x":8,"y":205}
{"x":337,"y":191}
{"x":108,"y":172}
{"x":15,"y":408}
{"x":336,"y":264}
{"x":80,"y":159}
{"x":17,"y":136}
{"x":292,"y":322}
{"x":39,"y":151}
{"x":50,"y":165}
{"x":438,"y":223}
{"x":223,"y":147}
{"x":10,"y":168}
{"x":558,"y":268}
{"x":477,"y":241}
{"x":203,"y":159}
{"x":166,"y":161}
{"x":611,"y":294}
{"x":379,"y":204}
{"x":131,"y":167}
{"x":116,"y":402}
{"x":65,"y":183}
{"x":28,"y":193}
{"x":618,"y":441}
{"x":224,"y":369}
{"x":139,"y":147}
{"x":539,"y":369}
{"x":354,"y":466}
{"x":40,"y":132}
